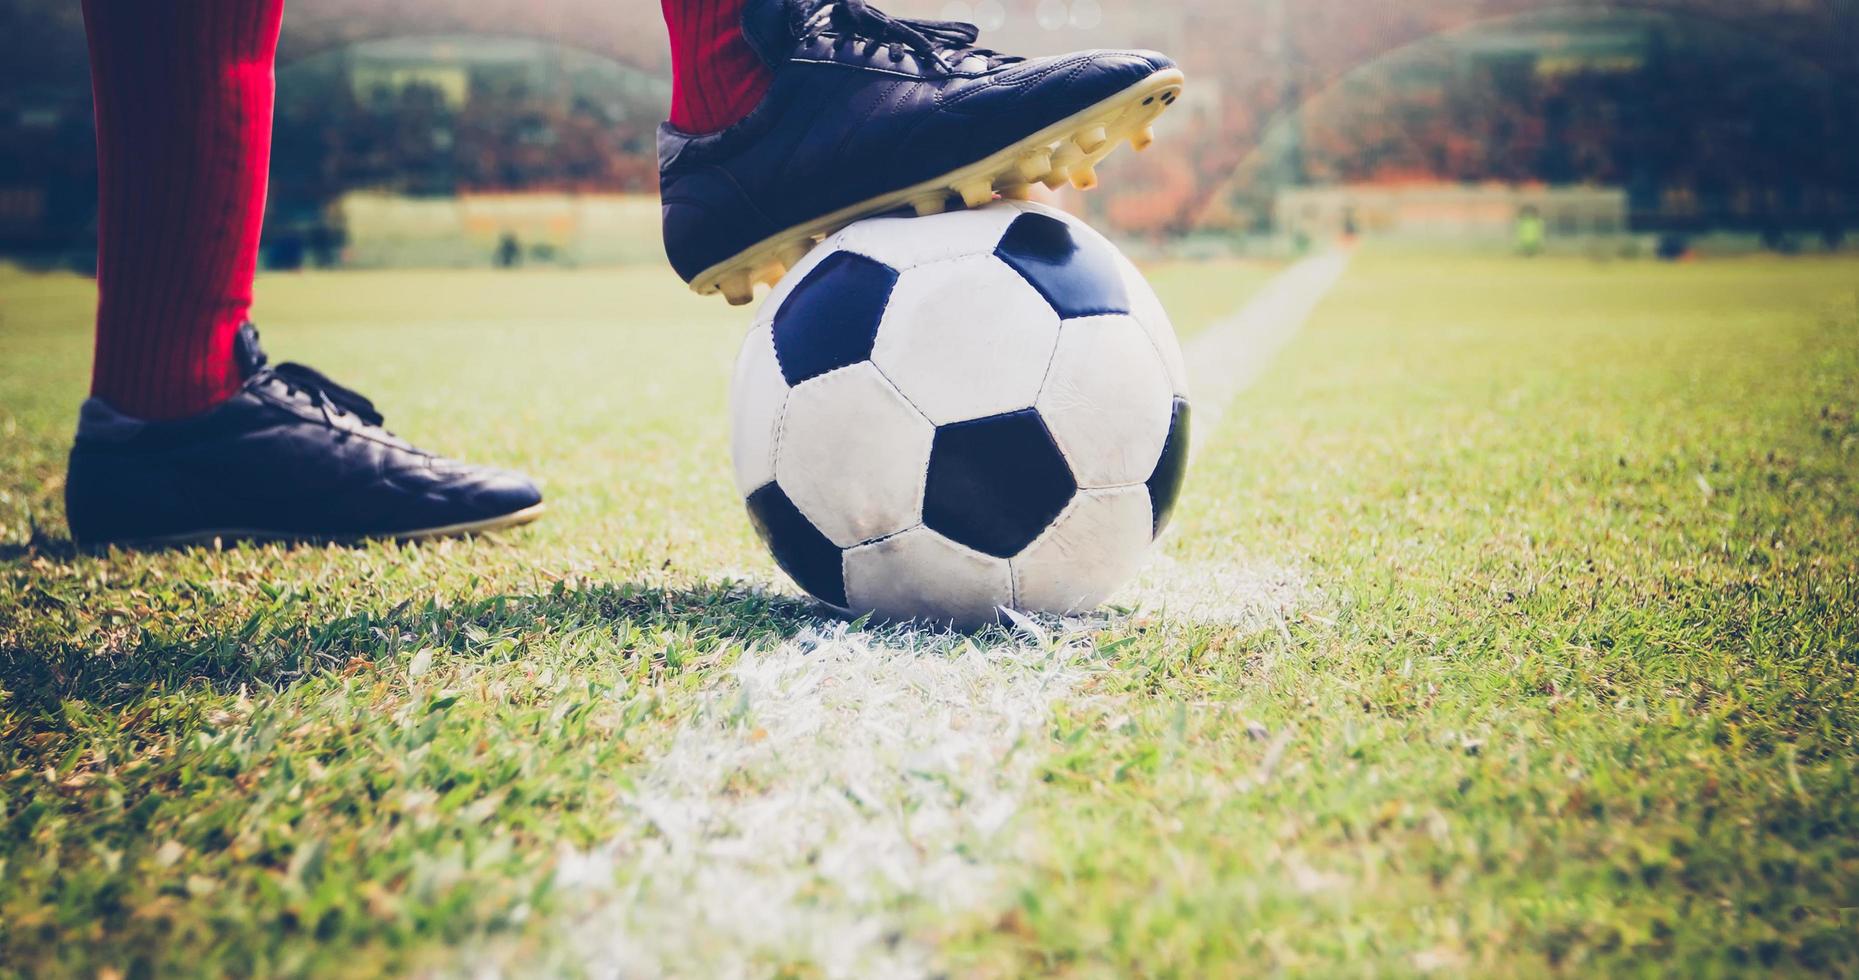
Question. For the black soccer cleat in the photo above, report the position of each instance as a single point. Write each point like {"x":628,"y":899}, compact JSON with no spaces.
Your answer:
{"x":292,"y":456}
{"x":868,"y":113}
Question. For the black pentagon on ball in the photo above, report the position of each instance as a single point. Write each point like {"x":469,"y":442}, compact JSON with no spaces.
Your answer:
{"x":1171,"y":469}
{"x":799,"y":548}
{"x":995,"y":483}
{"x":830,"y":320}
{"x":1079,"y":276}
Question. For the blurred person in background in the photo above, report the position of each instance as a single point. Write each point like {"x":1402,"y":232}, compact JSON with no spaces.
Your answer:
{"x":1530,"y":232}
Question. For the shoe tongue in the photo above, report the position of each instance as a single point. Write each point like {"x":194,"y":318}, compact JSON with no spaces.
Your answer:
{"x":769,"y":26}
{"x":246,"y":353}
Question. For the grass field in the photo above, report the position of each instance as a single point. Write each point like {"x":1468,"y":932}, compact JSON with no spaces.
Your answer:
{"x":1510,"y":625}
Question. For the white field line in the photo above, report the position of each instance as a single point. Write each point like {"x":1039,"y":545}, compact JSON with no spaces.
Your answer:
{"x":1232,"y":354}
{"x":822,"y":796}
{"x":827,"y":799}
{"x":826,"y":796}
{"x":1246,"y":598}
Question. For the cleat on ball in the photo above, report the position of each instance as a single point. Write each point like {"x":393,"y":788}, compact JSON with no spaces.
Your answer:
{"x":936,"y":418}
{"x":950,"y":114}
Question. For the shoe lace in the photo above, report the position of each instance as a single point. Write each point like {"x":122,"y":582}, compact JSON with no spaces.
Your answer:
{"x":330,"y":397}
{"x":944,"y":43}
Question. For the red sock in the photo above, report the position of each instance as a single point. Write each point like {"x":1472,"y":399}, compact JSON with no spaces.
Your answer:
{"x":184,"y":97}
{"x":716,"y":77}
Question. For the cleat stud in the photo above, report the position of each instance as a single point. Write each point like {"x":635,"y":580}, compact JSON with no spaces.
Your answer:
{"x":1067,"y":156}
{"x":1084,"y":178}
{"x":736,"y":287}
{"x":791,"y":253}
{"x":930,"y":204}
{"x":976,"y":193}
{"x":1142,"y":138}
{"x":1091,"y":139}
{"x":1017,"y":192}
{"x":1054,"y":179}
{"x":1035,"y":165}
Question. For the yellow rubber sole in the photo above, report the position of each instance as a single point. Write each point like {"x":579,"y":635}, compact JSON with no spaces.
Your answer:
{"x":1067,"y":151}
{"x":207,"y":537}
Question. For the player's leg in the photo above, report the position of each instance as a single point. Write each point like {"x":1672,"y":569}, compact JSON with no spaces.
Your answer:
{"x":189,"y":433}
{"x":794,"y":118}
{"x":183,"y":107}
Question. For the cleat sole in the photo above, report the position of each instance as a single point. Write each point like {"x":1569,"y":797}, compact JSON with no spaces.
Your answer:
{"x":1067,"y":151}
{"x":1034,"y":165}
{"x":791,"y":253}
{"x":930,"y":204}
{"x":736,"y":286}
{"x":976,"y":193}
{"x":226,"y":535}
{"x":1068,"y":155}
{"x":769,"y":274}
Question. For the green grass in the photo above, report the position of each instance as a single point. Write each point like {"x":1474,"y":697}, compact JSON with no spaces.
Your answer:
{"x":1573,"y":688}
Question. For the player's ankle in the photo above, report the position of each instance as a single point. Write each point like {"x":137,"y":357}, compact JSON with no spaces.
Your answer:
{"x":717,"y":76}
{"x":166,"y":400}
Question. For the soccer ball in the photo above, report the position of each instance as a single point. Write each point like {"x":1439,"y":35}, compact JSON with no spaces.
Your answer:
{"x":936,"y":417}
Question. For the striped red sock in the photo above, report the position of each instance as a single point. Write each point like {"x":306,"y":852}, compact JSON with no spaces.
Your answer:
{"x":716,"y":78}
{"x":184,"y":97}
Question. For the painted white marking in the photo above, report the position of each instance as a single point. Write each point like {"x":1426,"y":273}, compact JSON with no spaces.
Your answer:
{"x":819,"y":797}
{"x":1246,"y":598}
{"x":1229,"y":356}
{"x":827,"y":796}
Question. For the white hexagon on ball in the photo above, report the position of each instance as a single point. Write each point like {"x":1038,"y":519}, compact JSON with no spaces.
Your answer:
{"x":1107,"y":401}
{"x":984,"y":355}
{"x":921,"y":575}
{"x":905,"y":243}
{"x":1094,"y":546}
{"x":1146,"y":307}
{"x":757,"y":396}
{"x":852,"y":455}
{"x":975,"y":323}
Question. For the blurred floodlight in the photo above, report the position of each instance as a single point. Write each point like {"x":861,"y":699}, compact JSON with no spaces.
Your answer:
{"x":1051,"y":14}
{"x":1086,"y":14}
{"x":990,"y":15}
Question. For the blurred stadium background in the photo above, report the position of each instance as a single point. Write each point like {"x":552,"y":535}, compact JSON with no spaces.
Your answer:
{"x":480,"y":132}
{"x":1508,"y":631}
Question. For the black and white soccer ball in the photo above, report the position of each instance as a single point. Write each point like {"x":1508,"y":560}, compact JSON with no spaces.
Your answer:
{"x":937,"y":417}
